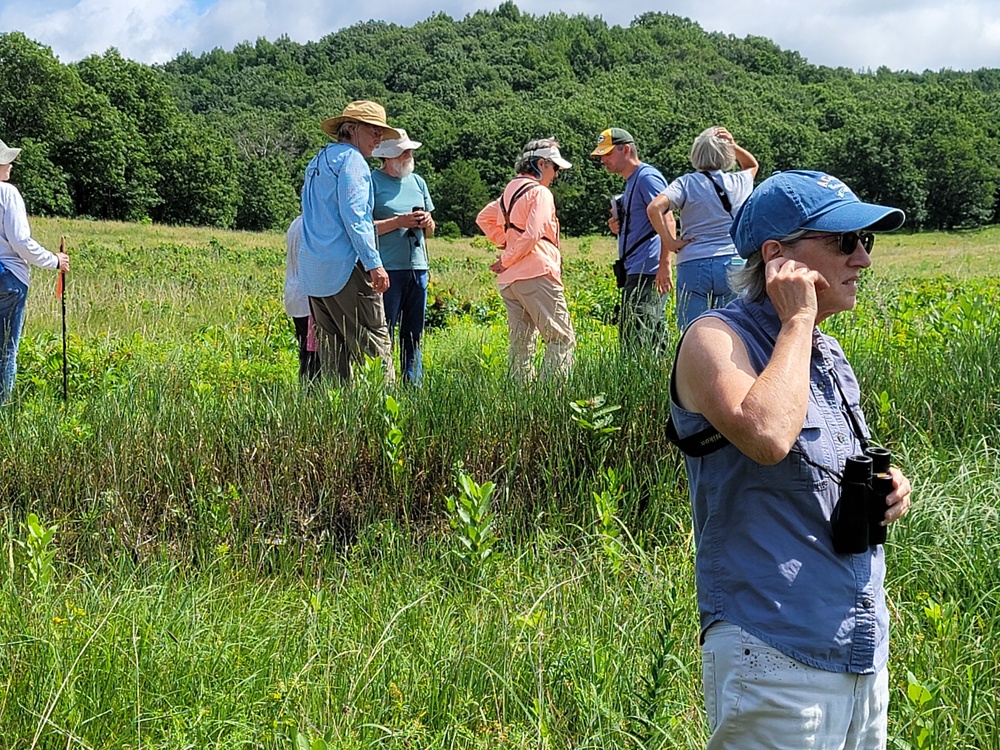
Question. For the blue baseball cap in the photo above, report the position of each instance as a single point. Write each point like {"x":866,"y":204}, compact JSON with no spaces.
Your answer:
{"x":788,"y":201}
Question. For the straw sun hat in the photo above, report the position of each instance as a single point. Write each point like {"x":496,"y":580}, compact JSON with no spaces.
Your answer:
{"x":369,"y":113}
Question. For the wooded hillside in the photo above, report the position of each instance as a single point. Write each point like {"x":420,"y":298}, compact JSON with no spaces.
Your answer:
{"x":223,"y":138}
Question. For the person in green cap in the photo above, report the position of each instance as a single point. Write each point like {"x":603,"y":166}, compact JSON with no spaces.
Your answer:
{"x":641,"y":256}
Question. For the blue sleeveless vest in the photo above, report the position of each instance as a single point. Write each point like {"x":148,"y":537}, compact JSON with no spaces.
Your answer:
{"x":765,"y":558}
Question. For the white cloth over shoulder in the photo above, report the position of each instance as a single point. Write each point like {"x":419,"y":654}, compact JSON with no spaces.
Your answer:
{"x":296,"y":301}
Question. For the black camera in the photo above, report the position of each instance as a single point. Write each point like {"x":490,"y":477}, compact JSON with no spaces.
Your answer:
{"x":411,"y":232}
{"x":857,"y":517}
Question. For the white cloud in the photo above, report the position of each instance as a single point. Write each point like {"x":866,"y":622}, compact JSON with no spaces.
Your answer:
{"x":900,"y":34}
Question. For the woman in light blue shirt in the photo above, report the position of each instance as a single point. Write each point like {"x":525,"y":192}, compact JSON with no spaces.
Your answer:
{"x":339,"y":263}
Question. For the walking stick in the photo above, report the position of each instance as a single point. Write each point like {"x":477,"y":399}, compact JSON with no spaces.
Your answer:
{"x":61,"y":294}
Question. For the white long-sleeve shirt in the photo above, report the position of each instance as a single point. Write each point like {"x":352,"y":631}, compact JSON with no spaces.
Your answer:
{"x":17,"y":249}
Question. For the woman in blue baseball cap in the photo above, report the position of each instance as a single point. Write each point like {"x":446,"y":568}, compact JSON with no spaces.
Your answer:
{"x":766,"y":407}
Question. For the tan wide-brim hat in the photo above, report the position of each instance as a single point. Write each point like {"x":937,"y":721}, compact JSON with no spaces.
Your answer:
{"x":369,"y":113}
{"x":8,"y":154}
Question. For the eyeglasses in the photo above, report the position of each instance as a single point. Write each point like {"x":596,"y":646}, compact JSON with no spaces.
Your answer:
{"x":847,"y":242}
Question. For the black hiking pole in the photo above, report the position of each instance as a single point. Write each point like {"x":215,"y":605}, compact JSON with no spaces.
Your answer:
{"x":61,"y":294}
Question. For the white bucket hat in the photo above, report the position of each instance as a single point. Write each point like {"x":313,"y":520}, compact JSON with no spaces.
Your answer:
{"x":394,"y":147}
{"x":8,"y":154}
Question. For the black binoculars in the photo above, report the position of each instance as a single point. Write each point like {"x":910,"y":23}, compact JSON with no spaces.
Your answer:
{"x":857,"y":517}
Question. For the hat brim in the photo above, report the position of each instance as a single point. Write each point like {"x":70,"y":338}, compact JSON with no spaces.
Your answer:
{"x":330,"y":126}
{"x":602,"y":150}
{"x":7,"y":155}
{"x":397,"y":149}
{"x":853,"y":217}
{"x":560,"y":162}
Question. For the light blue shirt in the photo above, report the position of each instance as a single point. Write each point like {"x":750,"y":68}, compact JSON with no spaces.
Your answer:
{"x":337,"y":225}
{"x":704,"y":220}
{"x":401,"y":249}
{"x":765,"y":559}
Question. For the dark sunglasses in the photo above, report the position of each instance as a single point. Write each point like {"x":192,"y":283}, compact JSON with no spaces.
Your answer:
{"x":847,"y":242}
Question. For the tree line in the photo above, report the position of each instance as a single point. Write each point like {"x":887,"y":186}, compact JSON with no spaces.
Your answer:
{"x":222,"y":138}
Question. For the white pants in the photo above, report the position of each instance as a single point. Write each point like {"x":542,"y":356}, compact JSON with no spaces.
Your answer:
{"x":757,"y":697}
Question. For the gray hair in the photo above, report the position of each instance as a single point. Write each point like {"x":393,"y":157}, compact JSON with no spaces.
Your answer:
{"x":346,"y":131}
{"x":750,"y":279}
{"x":527,"y":162}
{"x":709,"y":152}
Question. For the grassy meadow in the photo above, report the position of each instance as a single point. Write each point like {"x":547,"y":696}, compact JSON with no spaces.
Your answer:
{"x":200,"y":553}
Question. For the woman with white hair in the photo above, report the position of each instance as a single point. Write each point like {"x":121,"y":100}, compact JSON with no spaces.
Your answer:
{"x":707,"y":200}
{"x":17,"y":252}
{"x":522,"y":223}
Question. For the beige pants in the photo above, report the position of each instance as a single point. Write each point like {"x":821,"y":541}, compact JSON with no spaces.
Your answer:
{"x":352,"y":326}
{"x":538,"y":307}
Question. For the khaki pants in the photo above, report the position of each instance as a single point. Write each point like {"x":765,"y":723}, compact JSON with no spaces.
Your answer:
{"x":352,"y":326}
{"x":538,"y":307}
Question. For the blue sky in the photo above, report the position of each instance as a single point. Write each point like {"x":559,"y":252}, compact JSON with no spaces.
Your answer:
{"x":860,"y":34}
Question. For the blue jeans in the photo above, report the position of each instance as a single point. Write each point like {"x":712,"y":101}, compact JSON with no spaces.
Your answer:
{"x":13,"y":294}
{"x":702,"y":285}
{"x":405,"y":304}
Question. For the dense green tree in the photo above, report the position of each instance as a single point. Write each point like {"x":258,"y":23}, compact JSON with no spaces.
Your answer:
{"x":474,"y":91}
{"x":199,"y":178}
{"x":460,"y":194}
{"x":875,"y":157}
{"x":267,"y":198}
{"x":37,"y":94}
{"x":44,"y":185}
{"x":100,"y":166}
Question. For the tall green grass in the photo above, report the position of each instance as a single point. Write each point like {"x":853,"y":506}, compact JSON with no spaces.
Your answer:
{"x":239,"y":565}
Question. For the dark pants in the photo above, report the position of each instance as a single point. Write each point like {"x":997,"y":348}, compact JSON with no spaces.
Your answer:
{"x":308,"y":361}
{"x":405,"y":304}
{"x":642,"y":322}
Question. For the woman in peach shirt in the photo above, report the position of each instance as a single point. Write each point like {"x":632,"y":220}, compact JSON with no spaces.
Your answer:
{"x":523,"y":224}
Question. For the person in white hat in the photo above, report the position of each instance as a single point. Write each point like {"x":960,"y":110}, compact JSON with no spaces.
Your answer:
{"x":403,"y":222}
{"x":339,"y":264}
{"x":522,"y":223}
{"x":18,"y":251}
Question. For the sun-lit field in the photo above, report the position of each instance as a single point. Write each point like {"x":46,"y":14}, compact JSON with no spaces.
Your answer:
{"x":238,"y":561}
